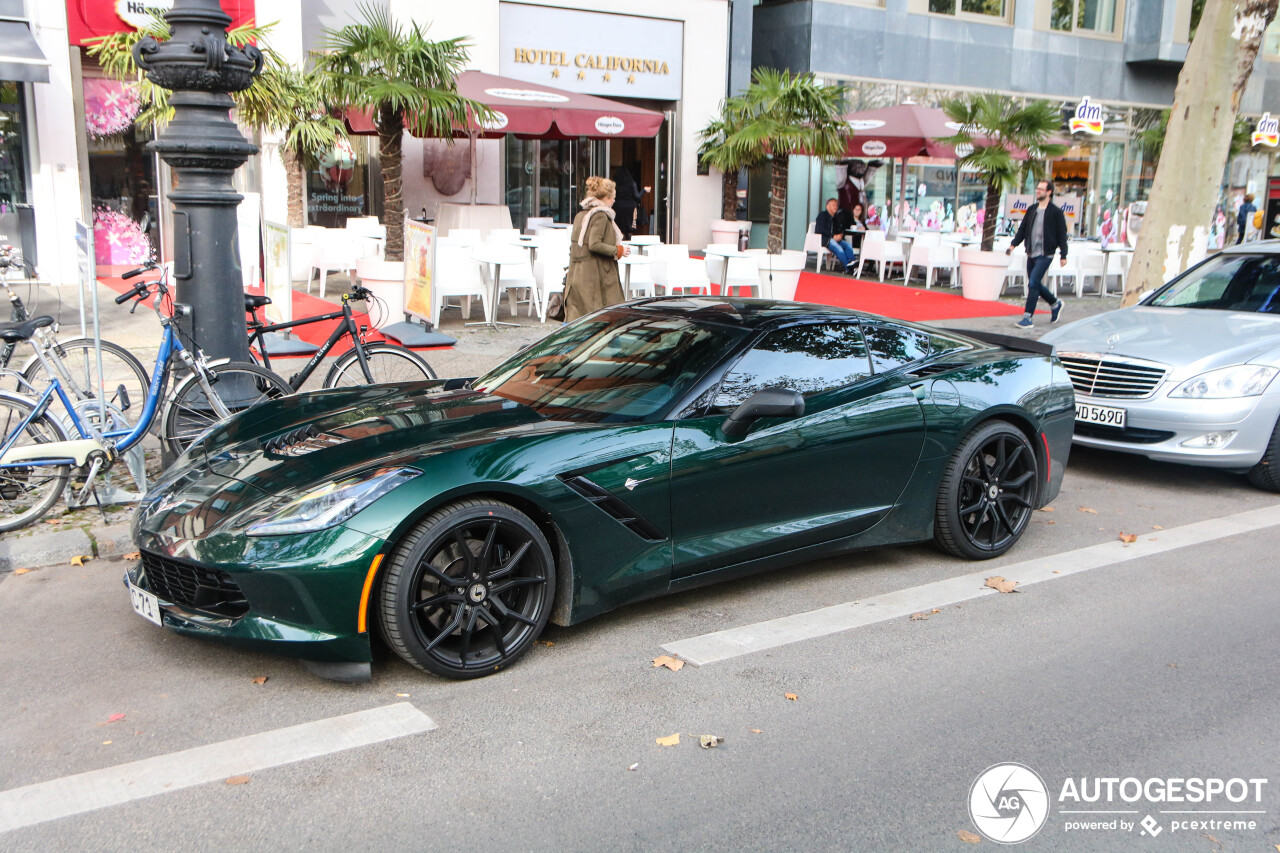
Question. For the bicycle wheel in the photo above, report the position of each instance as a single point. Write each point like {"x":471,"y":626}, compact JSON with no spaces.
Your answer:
{"x":125,"y":384}
{"x":387,"y":363}
{"x":238,"y":386}
{"x":27,"y":492}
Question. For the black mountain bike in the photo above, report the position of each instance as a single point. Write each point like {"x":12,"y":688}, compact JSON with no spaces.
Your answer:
{"x":364,"y":364}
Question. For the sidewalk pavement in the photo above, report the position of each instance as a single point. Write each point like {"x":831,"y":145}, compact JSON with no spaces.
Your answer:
{"x":85,"y":532}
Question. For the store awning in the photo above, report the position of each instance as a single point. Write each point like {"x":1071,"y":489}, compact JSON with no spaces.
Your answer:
{"x":534,"y":111}
{"x":907,"y":130}
{"x":20,"y":57}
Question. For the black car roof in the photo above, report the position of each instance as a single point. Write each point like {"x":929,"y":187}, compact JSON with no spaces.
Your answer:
{"x":743,"y":313}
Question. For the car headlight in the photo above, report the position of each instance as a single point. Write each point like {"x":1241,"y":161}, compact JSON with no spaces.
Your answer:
{"x":1243,"y":380}
{"x":332,"y":503}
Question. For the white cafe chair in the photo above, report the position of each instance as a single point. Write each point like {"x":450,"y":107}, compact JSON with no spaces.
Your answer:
{"x":456,"y":275}
{"x":880,"y":251}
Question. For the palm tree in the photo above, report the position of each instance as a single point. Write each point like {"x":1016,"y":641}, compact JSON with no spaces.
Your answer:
{"x":995,"y":129}
{"x":408,"y":81}
{"x":728,"y":161}
{"x":282,"y":99}
{"x":777,"y":116}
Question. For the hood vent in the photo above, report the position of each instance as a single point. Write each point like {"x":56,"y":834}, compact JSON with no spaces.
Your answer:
{"x":613,"y":506}
{"x":932,"y":369}
{"x":302,"y":441}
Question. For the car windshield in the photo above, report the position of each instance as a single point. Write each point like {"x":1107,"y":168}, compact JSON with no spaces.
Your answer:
{"x":617,"y":366}
{"x":1227,"y":282}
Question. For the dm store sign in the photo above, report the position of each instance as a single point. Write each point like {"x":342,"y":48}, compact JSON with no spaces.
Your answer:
{"x":1268,"y":132}
{"x":1087,"y":119}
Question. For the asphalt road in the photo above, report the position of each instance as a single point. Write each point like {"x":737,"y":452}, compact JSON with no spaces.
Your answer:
{"x":1159,"y":666}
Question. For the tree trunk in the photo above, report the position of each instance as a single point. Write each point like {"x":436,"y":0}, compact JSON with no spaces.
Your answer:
{"x":295,"y":177}
{"x":390,"y":137}
{"x":1198,"y":139}
{"x":777,"y":203}
{"x":729,"y":197}
{"x":992,"y":211}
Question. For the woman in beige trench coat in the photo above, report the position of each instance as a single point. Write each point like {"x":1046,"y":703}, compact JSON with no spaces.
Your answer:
{"x":595,"y":245}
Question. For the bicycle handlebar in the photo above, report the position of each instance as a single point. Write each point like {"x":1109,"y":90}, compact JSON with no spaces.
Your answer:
{"x":139,"y":289}
{"x":147,"y":267}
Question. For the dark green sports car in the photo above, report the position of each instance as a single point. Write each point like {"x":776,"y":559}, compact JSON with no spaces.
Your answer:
{"x":653,"y":446}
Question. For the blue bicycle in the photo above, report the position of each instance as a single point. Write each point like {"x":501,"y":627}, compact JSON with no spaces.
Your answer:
{"x":37,"y":457}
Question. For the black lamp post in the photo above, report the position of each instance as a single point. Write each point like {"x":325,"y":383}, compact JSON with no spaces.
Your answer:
{"x":204,"y":147}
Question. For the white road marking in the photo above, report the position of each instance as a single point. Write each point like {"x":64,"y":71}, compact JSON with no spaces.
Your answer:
{"x":112,"y":786}
{"x":760,"y":636}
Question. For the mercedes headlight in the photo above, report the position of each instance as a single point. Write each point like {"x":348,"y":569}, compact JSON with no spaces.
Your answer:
{"x":332,"y":503}
{"x":1243,"y":380}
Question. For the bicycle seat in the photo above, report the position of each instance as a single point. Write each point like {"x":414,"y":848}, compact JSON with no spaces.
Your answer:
{"x":14,"y":332}
{"x":253,"y":302}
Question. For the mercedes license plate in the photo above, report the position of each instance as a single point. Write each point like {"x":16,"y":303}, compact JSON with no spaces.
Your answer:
{"x":1104,"y":415}
{"x":145,"y":604}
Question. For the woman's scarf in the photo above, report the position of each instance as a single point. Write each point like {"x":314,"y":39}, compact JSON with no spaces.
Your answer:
{"x":593,"y":205}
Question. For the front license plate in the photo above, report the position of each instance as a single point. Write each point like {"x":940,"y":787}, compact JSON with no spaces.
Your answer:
{"x":1090,"y":414}
{"x":145,"y":604}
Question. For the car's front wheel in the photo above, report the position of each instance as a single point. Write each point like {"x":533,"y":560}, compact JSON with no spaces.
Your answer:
{"x":468,"y":590}
{"x":1266,"y":474}
{"x":988,"y":493}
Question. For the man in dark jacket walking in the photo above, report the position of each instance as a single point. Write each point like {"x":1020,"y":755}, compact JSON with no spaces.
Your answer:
{"x":1243,"y":215}
{"x":1044,"y":229}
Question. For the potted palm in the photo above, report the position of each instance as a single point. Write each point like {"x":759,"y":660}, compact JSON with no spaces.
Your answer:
{"x":779,"y":115}
{"x":995,"y":132}
{"x":729,"y":162}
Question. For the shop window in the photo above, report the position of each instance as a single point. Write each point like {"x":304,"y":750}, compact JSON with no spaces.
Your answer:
{"x":1271,"y":40}
{"x":13,"y":169}
{"x":1086,"y":16}
{"x":122,"y":173}
{"x":985,"y":8}
{"x":337,"y":187}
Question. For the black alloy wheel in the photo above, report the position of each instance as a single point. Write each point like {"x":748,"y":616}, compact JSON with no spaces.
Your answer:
{"x":988,"y":492}
{"x":468,"y":590}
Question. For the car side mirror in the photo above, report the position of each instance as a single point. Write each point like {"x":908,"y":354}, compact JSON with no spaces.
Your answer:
{"x":769,"y":403}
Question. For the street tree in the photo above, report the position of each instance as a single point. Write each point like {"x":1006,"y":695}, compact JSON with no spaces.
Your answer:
{"x":1206,"y":104}
{"x":408,"y":81}
{"x":1000,"y":138}
{"x":779,"y":115}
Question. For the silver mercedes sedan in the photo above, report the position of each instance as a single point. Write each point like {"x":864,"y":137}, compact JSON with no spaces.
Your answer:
{"x":1187,"y":376}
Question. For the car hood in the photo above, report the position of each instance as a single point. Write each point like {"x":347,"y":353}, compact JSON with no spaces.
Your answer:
{"x":296,"y":442}
{"x":1188,"y":340}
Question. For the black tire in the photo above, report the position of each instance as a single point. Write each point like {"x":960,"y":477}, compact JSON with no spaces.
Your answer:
{"x":1266,"y":474}
{"x":387,"y":363}
{"x":239,"y":385}
{"x":28,"y":492}
{"x":468,"y":590}
{"x":988,"y":493}
{"x":119,"y":366}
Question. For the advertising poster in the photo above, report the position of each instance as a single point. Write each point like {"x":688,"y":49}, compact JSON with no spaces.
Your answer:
{"x":276,"y":275}
{"x":1016,"y":204}
{"x":419,"y":260}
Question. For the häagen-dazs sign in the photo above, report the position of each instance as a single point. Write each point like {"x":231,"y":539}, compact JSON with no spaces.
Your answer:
{"x":591,"y":52}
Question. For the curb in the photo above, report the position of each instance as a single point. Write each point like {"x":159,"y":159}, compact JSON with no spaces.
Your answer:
{"x":58,"y":547}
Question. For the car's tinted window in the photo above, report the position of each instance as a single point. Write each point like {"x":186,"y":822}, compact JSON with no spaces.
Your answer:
{"x":808,"y":359}
{"x":892,"y":346}
{"x":619,"y":366}
{"x":1227,"y":283}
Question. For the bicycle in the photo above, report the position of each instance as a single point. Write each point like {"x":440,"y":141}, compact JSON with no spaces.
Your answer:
{"x":36,"y":457}
{"x":364,"y":364}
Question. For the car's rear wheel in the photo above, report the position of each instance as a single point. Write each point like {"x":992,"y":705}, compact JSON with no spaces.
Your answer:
{"x":988,"y":493}
{"x":1266,"y":474}
{"x":468,"y":590}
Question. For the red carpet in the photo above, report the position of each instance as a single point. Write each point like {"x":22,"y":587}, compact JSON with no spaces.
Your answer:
{"x":896,"y":300}
{"x":304,"y":305}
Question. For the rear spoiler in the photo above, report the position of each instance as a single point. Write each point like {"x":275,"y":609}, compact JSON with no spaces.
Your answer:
{"x":1009,"y":342}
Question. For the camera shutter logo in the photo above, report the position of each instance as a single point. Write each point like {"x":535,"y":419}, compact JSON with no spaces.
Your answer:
{"x":1008,"y":803}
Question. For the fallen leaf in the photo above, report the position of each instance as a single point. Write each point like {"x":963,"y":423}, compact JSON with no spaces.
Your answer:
{"x":21,"y":571}
{"x":634,"y":766}
{"x":673,"y":664}
{"x":756,"y":731}
{"x":402,"y":695}
{"x":1057,"y":571}
{"x":710,"y":741}
{"x":968,"y":837}
{"x":114,"y":718}
{"x":1086,"y":509}
{"x":106,"y":742}
{"x":545,"y":643}
{"x":935,"y":610}
{"x":1045,"y":509}
{"x":1161,"y":527}
{"x":132,"y":555}
{"x":80,"y":560}
{"x":919,"y":617}
{"x":1128,"y":538}
{"x":793,"y":697}
{"x":238,"y":780}
{"x":999,"y":584}
{"x":671,"y":740}
{"x":261,"y":679}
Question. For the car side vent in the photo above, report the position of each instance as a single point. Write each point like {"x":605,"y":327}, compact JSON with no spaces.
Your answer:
{"x":299,"y":442}
{"x":932,"y":369}
{"x":614,"y":506}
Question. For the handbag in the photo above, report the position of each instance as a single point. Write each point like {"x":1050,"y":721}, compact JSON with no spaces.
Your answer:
{"x":555,"y":302}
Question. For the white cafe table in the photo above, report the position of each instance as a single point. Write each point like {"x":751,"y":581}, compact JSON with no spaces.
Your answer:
{"x":724,"y":268}
{"x":1106,"y":262}
{"x":643,"y":241}
{"x":491,"y":256}
{"x":629,"y":261}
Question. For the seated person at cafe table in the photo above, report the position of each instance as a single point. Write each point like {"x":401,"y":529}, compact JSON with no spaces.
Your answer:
{"x":829,"y":225}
